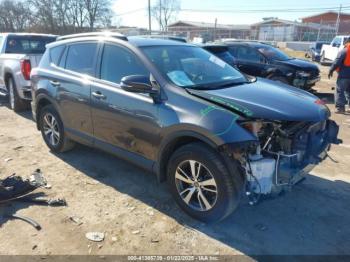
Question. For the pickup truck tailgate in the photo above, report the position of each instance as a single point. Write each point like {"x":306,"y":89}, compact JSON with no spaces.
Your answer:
{"x":34,"y":59}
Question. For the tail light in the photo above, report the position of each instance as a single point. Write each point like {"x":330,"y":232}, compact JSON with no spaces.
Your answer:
{"x":26,"y":67}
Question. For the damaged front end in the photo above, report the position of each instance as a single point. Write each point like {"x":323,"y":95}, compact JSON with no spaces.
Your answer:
{"x":285,"y":153}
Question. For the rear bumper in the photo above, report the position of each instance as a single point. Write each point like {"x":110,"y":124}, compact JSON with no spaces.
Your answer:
{"x":25,"y":92}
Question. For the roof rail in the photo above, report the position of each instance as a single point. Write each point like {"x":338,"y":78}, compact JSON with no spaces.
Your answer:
{"x":92,"y":34}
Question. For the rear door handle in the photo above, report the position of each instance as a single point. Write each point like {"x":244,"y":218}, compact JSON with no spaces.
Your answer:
{"x":98,"y":95}
{"x":55,"y":83}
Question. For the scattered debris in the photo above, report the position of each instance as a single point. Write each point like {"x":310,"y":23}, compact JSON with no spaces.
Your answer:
{"x":15,"y":188}
{"x":95,"y":236}
{"x":37,"y":179}
{"x":17,"y":147}
{"x":135,"y":232}
{"x":34,"y":247}
{"x":114,"y":239}
{"x":76,"y":220}
{"x":26,"y":219}
{"x":155,"y":239}
{"x":150,"y":212}
{"x":8,"y":159}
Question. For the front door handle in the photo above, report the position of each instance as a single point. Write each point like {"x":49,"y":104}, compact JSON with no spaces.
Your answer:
{"x":55,"y":83}
{"x":98,"y":95}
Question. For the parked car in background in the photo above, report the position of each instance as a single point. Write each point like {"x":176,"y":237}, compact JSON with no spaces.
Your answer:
{"x":19,"y":53}
{"x":262,"y":60}
{"x":195,"y":121}
{"x":330,"y":52}
{"x":220,"y":51}
{"x":167,"y":37}
{"x":314,"y":51}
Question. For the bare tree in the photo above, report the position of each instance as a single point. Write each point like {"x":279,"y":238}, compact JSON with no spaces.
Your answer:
{"x":54,"y":16}
{"x":97,"y":11}
{"x":14,"y":16}
{"x":165,"y":11}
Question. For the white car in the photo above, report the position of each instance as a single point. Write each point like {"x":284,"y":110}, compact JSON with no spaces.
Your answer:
{"x":329,"y":52}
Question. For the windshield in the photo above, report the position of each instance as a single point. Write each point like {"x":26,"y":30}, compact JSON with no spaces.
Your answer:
{"x":273,"y":53}
{"x":27,"y":44}
{"x":189,"y":66}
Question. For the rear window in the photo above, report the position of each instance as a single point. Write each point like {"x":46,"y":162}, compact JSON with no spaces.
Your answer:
{"x":217,"y":49}
{"x":55,"y":54}
{"x":27,"y":44}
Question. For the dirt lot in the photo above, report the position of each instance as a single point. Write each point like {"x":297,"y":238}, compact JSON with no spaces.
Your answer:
{"x":138,"y":215}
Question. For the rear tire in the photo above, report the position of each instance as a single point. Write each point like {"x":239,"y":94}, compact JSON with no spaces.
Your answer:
{"x":201,"y":184}
{"x":16,"y":103}
{"x":52,"y":130}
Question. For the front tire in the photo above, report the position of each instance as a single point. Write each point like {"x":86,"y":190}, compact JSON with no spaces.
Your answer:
{"x":52,"y":130}
{"x":17,"y":104}
{"x":201,"y":184}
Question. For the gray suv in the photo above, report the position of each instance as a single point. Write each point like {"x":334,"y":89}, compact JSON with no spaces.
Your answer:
{"x":179,"y":111}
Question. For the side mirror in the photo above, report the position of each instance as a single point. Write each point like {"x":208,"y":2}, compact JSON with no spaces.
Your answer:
{"x":137,"y":84}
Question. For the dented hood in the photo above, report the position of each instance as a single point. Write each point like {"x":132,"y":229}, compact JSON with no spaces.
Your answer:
{"x":268,"y":100}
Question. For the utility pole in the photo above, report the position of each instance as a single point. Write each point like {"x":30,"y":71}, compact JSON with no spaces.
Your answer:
{"x":149,"y":17}
{"x":338,"y":21}
{"x":215,"y":25}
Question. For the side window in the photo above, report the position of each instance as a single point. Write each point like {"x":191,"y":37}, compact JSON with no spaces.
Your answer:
{"x":336,"y":42}
{"x":55,"y":54}
{"x":233,"y":51}
{"x":249,"y":54}
{"x":118,"y":62}
{"x":80,"y":58}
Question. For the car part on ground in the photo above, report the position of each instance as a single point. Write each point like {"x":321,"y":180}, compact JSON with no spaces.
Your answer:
{"x":19,"y":53}
{"x":262,"y":60}
{"x":15,"y":188}
{"x":182,"y":113}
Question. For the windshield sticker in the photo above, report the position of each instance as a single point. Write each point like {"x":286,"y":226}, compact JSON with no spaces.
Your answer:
{"x":217,"y":61}
{"x":238,"y":108}
{"x":180,"y":78}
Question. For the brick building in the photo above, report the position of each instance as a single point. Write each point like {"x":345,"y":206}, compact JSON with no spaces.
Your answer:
{"x":330,"y":18}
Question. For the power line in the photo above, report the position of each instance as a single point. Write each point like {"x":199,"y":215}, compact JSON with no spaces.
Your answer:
{"x":265,"y":10}
{"x":286,"y":10}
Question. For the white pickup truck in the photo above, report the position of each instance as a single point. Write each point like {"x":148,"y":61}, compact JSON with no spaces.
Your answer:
{"x":19,"y":53}
{"x":329,"y":52}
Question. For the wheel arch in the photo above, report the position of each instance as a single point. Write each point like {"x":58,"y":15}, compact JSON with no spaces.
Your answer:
{"x":172,"y":143}
{"x":43,"y":100}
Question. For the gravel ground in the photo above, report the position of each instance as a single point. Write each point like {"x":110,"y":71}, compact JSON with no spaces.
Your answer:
{"x":138,"y":216}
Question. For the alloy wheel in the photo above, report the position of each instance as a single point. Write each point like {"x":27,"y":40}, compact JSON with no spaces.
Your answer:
{"x":196,"y":185}
{"x":51,"y":129}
